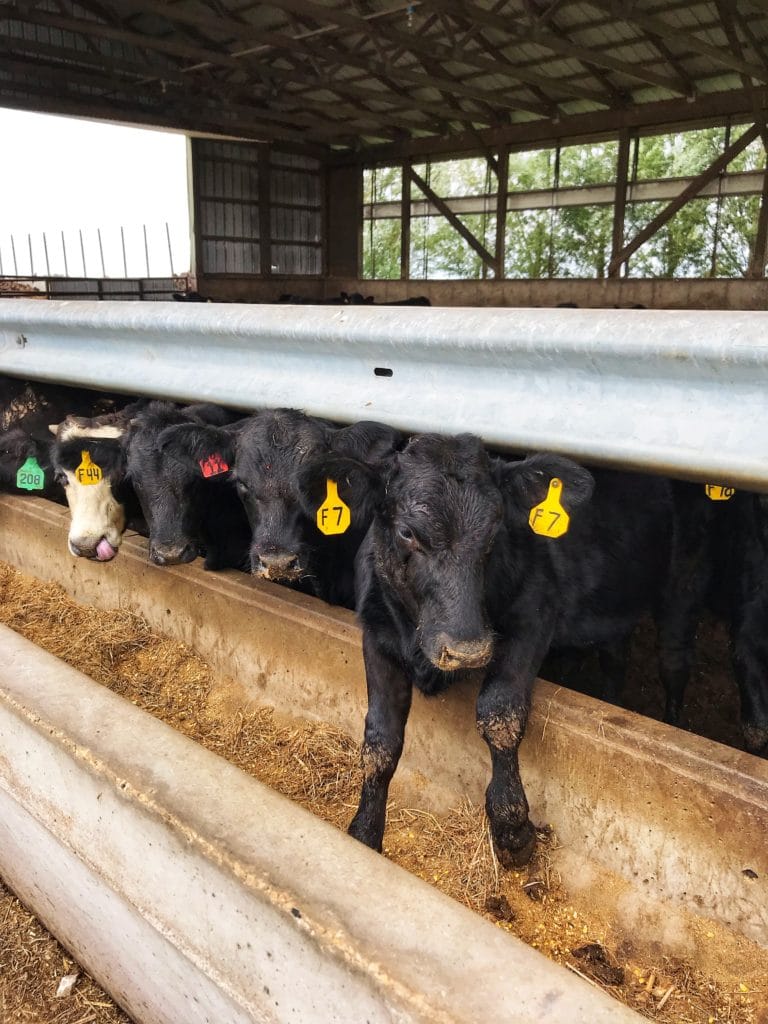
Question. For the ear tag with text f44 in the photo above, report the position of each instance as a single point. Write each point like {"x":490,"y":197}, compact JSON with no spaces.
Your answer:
{"x":334,"y":515}
{"x":213,"y":465}
{"x":31,"y":476}
{"x":715,"y":492}
{"x":87,"y":473}
{"x":549,"y":518}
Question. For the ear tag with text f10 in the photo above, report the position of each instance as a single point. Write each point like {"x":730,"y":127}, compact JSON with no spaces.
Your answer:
{"x":31,"y":476}
{"x":87,"y":473}
{"x":334,"y":515}
{"x":715,"y":492}
{"x":549,"y":519}
{"x":214,"y":465}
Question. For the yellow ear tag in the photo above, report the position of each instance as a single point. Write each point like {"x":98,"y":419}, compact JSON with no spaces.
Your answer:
{"x":87,"y":472}
{"x":334,"y":515}
{"x":717,"y":493}
{"x":549,"y":519}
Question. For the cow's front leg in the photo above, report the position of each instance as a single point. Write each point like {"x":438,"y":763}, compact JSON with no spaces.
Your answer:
{"x":389,"y":701}
{"x":502,"y":714}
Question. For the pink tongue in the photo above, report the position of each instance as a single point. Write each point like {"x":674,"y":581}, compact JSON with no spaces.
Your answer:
{"x":104,"y":550}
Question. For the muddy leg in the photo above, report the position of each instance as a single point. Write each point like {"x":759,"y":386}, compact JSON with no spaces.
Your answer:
{"x":389,"y":701}
{"x":501,"y":719}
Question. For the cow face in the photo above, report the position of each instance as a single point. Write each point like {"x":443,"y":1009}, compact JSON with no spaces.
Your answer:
{"x":274,"y":449}
{"x":440,"y":517}
{"x":175,"y":471}
{"x":89,"y":462}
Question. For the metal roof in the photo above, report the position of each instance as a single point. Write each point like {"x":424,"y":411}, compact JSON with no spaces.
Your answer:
{"x":392,"y":73}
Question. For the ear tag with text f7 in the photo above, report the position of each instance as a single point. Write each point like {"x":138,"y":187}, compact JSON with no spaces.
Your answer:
{"x":88,"y":473}
{"x":334,"y":515}
{"x":549,"y":519}
{"x":31,"y":476}
{"x":214,"y":465}
{"x":715,"y":492}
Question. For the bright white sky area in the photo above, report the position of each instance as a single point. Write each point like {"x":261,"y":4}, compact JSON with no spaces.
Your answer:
{"x":61,"y":174}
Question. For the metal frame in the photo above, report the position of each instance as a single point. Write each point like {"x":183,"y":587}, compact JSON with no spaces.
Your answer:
{"x":674,"y":392}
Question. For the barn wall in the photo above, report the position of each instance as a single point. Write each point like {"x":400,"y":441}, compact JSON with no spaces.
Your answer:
{"x":653,"y":293}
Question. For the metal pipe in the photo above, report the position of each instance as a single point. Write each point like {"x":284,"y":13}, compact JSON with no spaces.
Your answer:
{"x":678,"y":392}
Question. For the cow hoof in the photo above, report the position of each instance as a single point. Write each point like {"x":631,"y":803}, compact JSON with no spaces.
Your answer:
{"x":517,"y":852}
{"x":365,"y":835}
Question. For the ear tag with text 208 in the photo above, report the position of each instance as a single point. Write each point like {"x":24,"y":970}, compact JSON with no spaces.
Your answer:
{"x":549,"y":518}
{"x":334,"y":515}
{"x":31,"y":476}
{"x":716,"y":492}
{"x":213,"y":465}
{"x":87,"y":473}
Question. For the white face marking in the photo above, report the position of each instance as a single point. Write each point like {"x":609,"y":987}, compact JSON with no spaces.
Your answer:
{"x":94,"y":511}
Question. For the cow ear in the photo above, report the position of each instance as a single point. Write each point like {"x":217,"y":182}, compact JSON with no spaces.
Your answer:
{"x":525,"y":484}
{"x":54,"y":428}
{"x":359,"y":486}
{"x":366,"y":441}
{"x":209,"y":451}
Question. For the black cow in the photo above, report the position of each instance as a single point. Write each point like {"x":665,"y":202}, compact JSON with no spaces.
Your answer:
{"x":184,"y":485}
{"x":451,"y":577}
{"x":26,"y":468}
{"x":720,"y":560}
{"x":284,"y":461}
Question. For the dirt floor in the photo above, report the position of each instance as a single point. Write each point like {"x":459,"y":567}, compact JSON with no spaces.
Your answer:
{"x":318,"y":767}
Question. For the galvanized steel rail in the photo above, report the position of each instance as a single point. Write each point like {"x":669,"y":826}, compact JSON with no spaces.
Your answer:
{"x":679,"y":392}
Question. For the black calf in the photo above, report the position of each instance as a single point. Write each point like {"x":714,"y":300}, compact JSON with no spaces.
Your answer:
{"x":451,"y":577}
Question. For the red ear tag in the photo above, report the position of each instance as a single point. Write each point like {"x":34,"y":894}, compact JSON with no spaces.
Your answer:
{"x":214,"y":465}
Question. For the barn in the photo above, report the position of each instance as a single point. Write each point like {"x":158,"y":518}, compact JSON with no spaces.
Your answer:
{"x":540,"y":221}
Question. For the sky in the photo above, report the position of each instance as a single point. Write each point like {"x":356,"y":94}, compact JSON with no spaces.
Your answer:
{"x":63,"y":174}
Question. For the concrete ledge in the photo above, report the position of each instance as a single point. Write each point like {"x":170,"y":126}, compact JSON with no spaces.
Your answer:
{"x":195,"y":894}
{"x":657,"y":825}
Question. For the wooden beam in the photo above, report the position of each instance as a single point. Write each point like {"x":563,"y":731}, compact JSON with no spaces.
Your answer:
{"x":502,"y":178}
{"x":405,"y":224}
{"x":685,"y":196}
{"x":758,"y":256}
{"x":453,"y":220}
{"x":619,"y":202}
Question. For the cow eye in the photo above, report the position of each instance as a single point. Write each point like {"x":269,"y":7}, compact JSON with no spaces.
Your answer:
{"x":405,"y":533}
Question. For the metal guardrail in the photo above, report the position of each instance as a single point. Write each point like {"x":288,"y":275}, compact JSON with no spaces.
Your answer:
{"x":678,"y":392}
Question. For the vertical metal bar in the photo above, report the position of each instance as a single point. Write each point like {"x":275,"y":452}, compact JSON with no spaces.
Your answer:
{"x":146,"y":248}
{"x":82,"y":252}
{"x":15,"y":264}
{"x":170,"y":250}
{"x":101,"y":253}
{"x":31,"y":257}
{"x":620,"y":202}
{"x":125,"y":261}
{"x":47,"y":261}
{"x":502,"y":184}
{"x":64,"y":250}
{"x":405,"y":222}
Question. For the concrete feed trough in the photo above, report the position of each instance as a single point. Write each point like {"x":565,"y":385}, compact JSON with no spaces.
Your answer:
{"x":665,"y":828}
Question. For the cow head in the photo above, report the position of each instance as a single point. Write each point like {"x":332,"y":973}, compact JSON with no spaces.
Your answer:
{"x":175,"y":470}
{"x":89,"y":462}
{"x":283,"y":465}
{"x":445,"y":508}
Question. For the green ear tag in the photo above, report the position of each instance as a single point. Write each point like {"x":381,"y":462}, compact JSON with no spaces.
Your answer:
{"x":30,"y":477}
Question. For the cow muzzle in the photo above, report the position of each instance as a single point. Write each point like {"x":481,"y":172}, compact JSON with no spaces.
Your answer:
{"x":451,"y":655}
{"x":100,"y":551}
{"x":167,"y":554}
{"x":279,"y":566}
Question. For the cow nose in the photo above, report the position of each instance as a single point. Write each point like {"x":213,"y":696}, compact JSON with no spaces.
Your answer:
{"x":162,"y":554}
{"x":458,"y":654}
{"x":277,"y":565}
